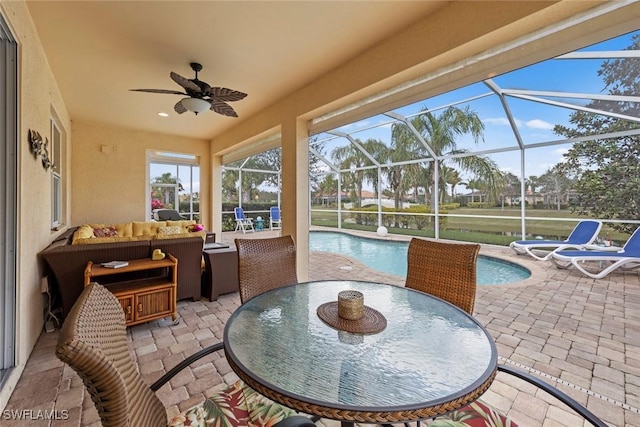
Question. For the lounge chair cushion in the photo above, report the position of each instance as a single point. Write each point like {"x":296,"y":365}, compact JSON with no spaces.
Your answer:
{"x":236,"y":406}
{"x":476,"y":414}
{"x":583,"y":234}
{"x":602,"y":263}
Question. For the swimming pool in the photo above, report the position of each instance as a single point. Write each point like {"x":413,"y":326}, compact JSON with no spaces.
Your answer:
{"x":391,"y":257}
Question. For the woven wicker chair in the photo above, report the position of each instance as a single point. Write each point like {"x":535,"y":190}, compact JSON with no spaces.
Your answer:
{"x":265,"y":264}
{"x":93,"y":341}
{"x":445,"y":270}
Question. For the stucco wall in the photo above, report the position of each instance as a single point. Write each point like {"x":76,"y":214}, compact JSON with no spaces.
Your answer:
{"x":100,"y":187}
{"x":111,"y":187}
{"x":38,"y":96}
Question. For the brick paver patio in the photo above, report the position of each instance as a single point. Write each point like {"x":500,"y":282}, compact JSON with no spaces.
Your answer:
{"x":580,"y":334}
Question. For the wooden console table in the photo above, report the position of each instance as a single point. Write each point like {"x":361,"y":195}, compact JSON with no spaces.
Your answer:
{"x":145,"y":298}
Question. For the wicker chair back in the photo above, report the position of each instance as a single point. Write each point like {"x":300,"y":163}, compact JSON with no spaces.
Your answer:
{"x":265,"y":264}
{"x":445,"y":270}
{"x":93,"y":342}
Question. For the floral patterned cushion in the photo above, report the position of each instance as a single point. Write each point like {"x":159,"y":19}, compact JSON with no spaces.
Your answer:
{"x":174,"y":229}
{"x":236,"y":406}
{"x":476,"y":414}
{"x":105,"y":232}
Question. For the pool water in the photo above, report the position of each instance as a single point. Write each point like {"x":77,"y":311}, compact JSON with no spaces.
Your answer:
{"x":391,"y":257}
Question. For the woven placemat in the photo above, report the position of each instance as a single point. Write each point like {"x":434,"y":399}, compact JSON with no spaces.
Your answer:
{"x":371,"y":323}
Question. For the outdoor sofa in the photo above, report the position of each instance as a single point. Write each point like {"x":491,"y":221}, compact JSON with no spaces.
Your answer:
{"x":65,"y":258}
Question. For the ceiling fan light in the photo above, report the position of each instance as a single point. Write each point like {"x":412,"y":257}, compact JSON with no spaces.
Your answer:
{"x":195,"y":105}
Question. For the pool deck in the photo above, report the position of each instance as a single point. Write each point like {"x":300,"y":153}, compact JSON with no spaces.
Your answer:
{"x":578,"y":333}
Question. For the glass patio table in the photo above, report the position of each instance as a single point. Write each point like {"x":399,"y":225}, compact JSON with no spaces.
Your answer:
{"x":430,"y":359}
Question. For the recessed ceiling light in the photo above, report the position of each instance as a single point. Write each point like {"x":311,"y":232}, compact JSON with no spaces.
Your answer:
{"x":162,"y":114}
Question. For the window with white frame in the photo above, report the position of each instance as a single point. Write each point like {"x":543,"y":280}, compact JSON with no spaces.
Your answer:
{"x":57,"y":192}
{"x":174,"y":183}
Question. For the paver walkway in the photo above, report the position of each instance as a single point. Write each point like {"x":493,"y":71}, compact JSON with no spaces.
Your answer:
{"x":581,"y":334}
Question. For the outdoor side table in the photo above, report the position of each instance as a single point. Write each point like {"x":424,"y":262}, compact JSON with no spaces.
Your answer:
{"x":221,"y":271}
{"x":430,"y":358}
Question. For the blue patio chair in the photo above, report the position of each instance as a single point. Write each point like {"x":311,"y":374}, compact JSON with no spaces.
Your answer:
{"x":602,"y":262}
{"x":275,"y":222}
{"x":242,"y":222}
{"x":584,"y":233}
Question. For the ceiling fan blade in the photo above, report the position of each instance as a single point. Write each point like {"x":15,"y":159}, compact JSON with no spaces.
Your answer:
{"x":179,"y":108}
{"x":222,"y":108}
{"x":205,"y":89}
{"x":173,"y":92}
{"x":185,"y":83}
{"x":225,"y":94}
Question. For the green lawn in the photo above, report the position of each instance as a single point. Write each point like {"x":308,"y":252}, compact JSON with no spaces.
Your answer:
{"x":483,"y":229}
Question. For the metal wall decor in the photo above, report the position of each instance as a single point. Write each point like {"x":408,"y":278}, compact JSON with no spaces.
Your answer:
{"x":40,"y":148}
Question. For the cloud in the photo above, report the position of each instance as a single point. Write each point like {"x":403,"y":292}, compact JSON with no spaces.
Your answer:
{"x":497,"y":121}
{"x":532,"y":124}
{"x":539,"y":124}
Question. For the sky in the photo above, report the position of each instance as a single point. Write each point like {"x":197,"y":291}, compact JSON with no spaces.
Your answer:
{"x":535,"y":121}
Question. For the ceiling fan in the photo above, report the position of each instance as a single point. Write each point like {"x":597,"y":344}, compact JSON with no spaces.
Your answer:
{"x":200,"y":96}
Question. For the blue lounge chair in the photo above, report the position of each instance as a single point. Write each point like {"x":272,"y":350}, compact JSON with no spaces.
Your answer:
{"x":607,"y":261}
{"x":242,"y":222}
{"x":275,"y":222}
{"x":584,"y":233}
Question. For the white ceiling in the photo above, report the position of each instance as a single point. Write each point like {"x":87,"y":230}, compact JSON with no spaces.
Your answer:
{"x":267,"y":49}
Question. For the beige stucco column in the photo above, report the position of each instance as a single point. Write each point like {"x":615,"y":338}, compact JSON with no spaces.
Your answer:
{"x":295,"y":190}
{"x":215,"y":220}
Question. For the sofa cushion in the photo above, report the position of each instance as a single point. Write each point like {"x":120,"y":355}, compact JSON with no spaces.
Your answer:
{"x":83,"y":232}
{"x":184,"y":224}
{"x":124,"y":229}
{"x":171,"y":229}
{"x":105,"y":232}
{"x":180,"y":235}
{"x":147,"y":227}
{"x":117,"y":239}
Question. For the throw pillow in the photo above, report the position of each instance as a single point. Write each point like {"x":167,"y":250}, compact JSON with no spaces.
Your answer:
{"x":84,"y":232}
{"x":195,"y":227}
{"x":174,"y":229}
{"x":105,"y":232}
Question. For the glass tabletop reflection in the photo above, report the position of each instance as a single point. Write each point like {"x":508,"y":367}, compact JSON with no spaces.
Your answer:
{"x":430,"y":351}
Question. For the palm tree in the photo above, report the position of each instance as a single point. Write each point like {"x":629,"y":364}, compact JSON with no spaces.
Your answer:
{"x":440,"y":133}
{"x":473,"y":185}
{"x":379,"y":151}
{"x":451,"y":177}
{"x":328,"y":187}
{"x":454,"y":181}
{"x":404,"y":146}
{"x":351,"y":157}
